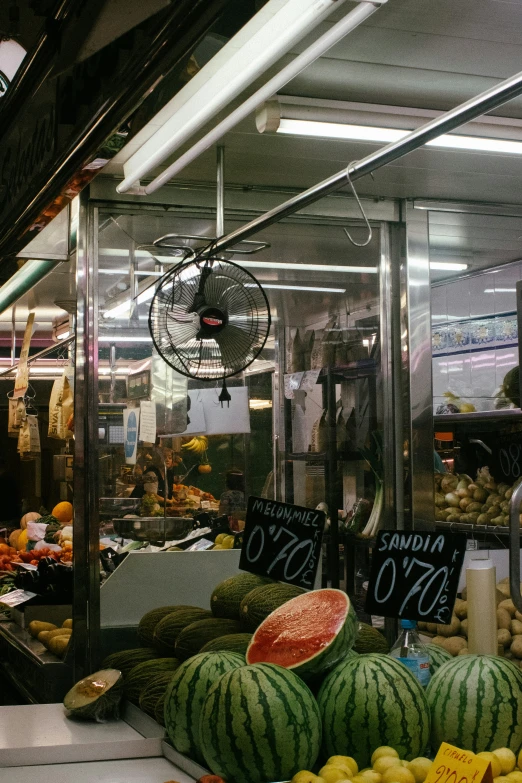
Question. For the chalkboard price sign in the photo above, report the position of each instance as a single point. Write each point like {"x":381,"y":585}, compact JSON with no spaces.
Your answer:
{"x":415,"y":575}
{"x":506,"y":459}
{"x":282,"y":541}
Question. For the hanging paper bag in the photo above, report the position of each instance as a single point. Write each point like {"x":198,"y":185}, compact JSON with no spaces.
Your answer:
{"x":60,"y":409}
{"x":16,"y":417}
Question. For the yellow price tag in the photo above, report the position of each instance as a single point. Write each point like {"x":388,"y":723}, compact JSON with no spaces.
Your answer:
{"x":453,"y":765}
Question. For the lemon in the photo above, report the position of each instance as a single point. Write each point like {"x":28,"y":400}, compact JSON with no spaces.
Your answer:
{"x":507,"y":758}
{"x":385,"y":762}
{"x":331,"y":774}
{"x":515,"y":776}
{"x":501,"y":779}
{"x":496,"y":767}
{"x":342,"y":762}
{"x":405,"y":763}
{"x":398,"y":775}
{"x":219,"y":540}
{"x":306,"y":777}
{"x":228,"y":542}
{"x":384,"y":750}
{"x":420,"y":768}
{"x":370,"y":776}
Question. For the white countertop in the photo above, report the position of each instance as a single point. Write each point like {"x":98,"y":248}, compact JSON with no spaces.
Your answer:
{"x":157,"y":770}
{"x":43,"y":734}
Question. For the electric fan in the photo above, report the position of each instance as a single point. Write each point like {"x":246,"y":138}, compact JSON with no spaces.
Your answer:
{"x":209,"y":319}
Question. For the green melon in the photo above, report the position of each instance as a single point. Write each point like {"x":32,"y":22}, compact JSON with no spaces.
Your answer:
{"x":438,"y":656}
{"x":142,"y":674}
{"x":152,"y":692}
{"x":370,"y":640}
{"x":369,"y":701}
{"x":149,"y":621}
{"x":476,"y":703}
{"x":262,"y":601}
{"x":308,"y":634}
{"x":96,"y":697}
{"x":259,"y":723}
{"x":169,"y":628}
{"x":186,"y":694}
{"x":159,"y":709}
{"x":227,"y":596}
{"x":196,"y":635}
{"x":234,"y":642}
{"x":128,"y":659}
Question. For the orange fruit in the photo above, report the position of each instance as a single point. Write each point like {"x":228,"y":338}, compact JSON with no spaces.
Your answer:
{"x":63,"y":512}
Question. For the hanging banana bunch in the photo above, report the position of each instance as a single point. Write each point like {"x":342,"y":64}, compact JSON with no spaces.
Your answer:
{"x":198,"y":444}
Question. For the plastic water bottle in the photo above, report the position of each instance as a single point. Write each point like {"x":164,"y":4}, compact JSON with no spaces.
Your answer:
{"x":409,"y":650}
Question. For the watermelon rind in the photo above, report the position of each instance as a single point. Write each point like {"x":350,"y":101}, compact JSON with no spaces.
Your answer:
{"x":232,"y":642}
{"x":260,"y":723}
{"x":142,"y":674}
{"x":96,"y":697}
{"x":128,"y":659}
{"x":149,"y":621}
{"x":369,"y":701}
{"x":322,"y":659}
{"x":262,"y":601}
{"x":197,"y":634}
{"x":438,"y":656}
{"x":476,"y":703}
{"x":226,"y":598}
{"x":169,"y":627}
{"x":187,"y":692}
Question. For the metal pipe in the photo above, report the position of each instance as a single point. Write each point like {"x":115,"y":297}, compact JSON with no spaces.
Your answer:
{"x":220,"y":191}
{"x":40,"y":355}
{"x":13,"y":335}
{"x":312,"y":53}
{"x":24,"y":279}
{"x":465,"y":112}
{"x":514,"y":547}
{"x":175,"y":36}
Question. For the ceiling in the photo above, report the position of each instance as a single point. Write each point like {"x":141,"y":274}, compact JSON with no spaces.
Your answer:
{"x":411,"y":53}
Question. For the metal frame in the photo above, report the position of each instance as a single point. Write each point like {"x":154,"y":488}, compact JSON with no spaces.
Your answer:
{"x":86,"y":599}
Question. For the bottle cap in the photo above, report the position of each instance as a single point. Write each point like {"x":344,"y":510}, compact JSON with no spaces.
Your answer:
{"x":408,"y":624}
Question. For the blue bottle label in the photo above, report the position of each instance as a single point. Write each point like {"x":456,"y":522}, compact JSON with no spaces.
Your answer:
{"x":420,"y":667}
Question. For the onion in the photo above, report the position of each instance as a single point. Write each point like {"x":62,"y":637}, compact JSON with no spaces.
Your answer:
{"x":449,"y":483}
{"x":452,"y":499}
{"x":440,"y":500}
{"x":493,"y":499}
{"x":483,"y":519}
{"x":463,"y":484}
{"x":474,"y":507}
{"x":462,"y":492}
{"x":508,"y":493}
{"x":479,"y":494}
{"x":464,"y":503}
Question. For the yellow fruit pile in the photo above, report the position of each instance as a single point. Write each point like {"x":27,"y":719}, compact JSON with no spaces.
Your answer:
{"x":387,"y":767}
{"x":224,"y":541}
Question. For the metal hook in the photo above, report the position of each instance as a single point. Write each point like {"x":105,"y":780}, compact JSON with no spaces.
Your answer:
{"x":370,"y":234}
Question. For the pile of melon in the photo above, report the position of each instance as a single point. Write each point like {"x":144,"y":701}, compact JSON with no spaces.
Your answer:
{"x":454,"y":637}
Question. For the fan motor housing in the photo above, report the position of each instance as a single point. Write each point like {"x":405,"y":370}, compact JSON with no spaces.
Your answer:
{"x":212,"y":320}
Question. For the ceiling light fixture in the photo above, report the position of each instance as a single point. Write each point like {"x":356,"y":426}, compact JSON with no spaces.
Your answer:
{"x":448,"y":266}
{"x":301,"y":288}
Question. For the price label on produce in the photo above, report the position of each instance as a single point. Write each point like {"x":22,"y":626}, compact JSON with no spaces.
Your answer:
{"x":453,"y":765}
{"x":506,"y":457}
{"x":282,"y":541}
{"x":415,"y":575}
{"x":16,"y":597}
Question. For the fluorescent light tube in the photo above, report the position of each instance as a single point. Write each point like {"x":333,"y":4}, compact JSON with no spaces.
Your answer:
{"x":448,"y":266}
{"x":122,"y":338}
{"x":299,"y":288}
{"x":337,"y":130}
{"x":372,"y":270}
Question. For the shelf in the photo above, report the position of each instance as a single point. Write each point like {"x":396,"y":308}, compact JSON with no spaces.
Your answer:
{"x":322,"y":456}
{"x":449,"y":419}
{"x":364,"y":368}
{"x":462,"y":527}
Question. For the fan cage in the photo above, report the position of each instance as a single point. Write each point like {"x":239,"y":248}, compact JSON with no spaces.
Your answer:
{"x":175,"y":318}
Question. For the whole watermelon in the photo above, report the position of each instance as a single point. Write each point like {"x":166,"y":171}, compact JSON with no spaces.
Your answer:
{"x":186,"y":694}
{"x":476,"y":703}
{"x":260,"y":723}
{"x":438,"y":656}
{"x":373,"y":700}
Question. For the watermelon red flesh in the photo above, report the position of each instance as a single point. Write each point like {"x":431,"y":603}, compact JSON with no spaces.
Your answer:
{"x":309,"y":634}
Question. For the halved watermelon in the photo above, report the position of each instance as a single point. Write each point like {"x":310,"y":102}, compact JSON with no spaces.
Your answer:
{"x":309,"y":634}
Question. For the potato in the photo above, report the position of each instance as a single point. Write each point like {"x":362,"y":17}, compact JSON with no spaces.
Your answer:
{"x":500,"y":649}
{"x":509,"y":606}
{"x":67,"y":624}
{"x":43,"y":637}
{"x":518,"y":616}
{"x":59,"y":632}
{"x":516,"y":627}
{"x":438,"y":640}
{"x":516,"y":646}
{"x":503,"y":619}
{"x":449,"y":630}
{"x":461,"y":609}
{"x":464,"y":627}
{"x":36,"y":627}
{"x":504,"y":589}
{"x":503,"y":637}
{"x":431,"y":627}
{"x":454,"y":644}
{"x":504,"y":581}
{"x":58,"y":645}
{"x":474,"y":507}
{"x":422,"y":626}
{"x":464,"y":651}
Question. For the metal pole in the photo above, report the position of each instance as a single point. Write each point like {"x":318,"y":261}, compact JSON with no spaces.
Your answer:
{"x":40,"y":354}
{"x":23,"y":280}
{"x":465,"y":112}
{"x":13,"y":335}
{"x":220,"y":183}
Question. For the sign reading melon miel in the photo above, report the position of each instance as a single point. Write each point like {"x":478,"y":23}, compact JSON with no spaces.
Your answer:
{"x":415,"y":575}
{"x":282,"y":541}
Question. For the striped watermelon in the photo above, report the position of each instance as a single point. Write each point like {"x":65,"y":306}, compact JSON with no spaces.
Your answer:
{"x":309,"y":634}
{"x":186,"y":693}
{"x":260,"y":723}
{"x":476,"y":703}
{"x":373,"y":700}
{"x":438,"y":656}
